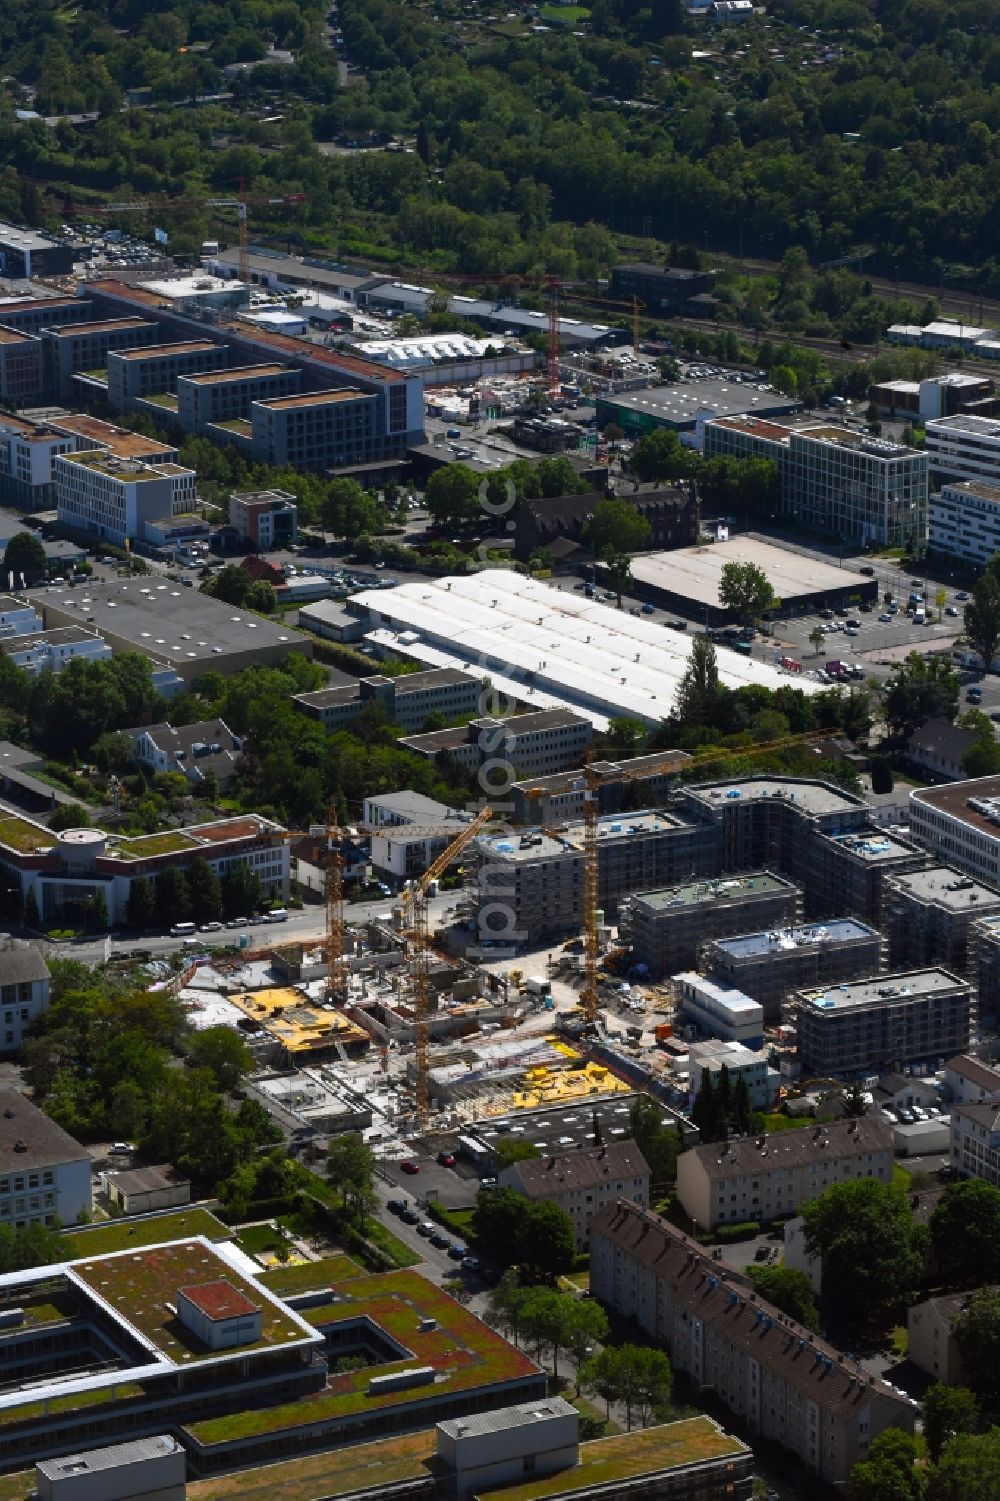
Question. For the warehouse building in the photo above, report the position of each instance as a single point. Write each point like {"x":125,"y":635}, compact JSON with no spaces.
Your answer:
{"x":909,"y":1017}
{"x":668,"y":929}
{"x":833,"y":479}
{"x":783,"y":1384}
{"x":770,"y":965}
{"x":183,"y":628}
{"x":690,"y":407}
{"x":689,"y":578}
{"x":546,"y":741}
{"x":642,"y":781}
{"x":930,"y":914}
{"x":546,"y":648}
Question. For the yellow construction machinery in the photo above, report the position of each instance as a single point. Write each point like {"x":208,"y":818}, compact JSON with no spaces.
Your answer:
{"x":413,"y":922}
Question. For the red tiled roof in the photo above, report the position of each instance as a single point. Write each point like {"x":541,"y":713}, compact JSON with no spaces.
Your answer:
{"x":219,"y":1300}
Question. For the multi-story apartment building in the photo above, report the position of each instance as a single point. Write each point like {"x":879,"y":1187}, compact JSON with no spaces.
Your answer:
{"x":81,"y":347}
{"x":965,"y":520}
{"x":848,"y":872}
{"x":407,"y":700}
{"x":960,"y":825}
{"x":836,"y":480}
{"x":643,"y":780}
{"x":540,"y":743}
{"x":783,"y":1384}
{"x":975,"y":1140}
{"x":964,"y":447}
{"x":770,"y":965}
{"x":267,"y":519}
{"x":984,"y":967}
{"x":22,"y":377}
{"x":134,"y":374}
{"x":582,"y":1183}
{"x":44,"y":1173}
{"x":669,"y":929}
{"x":710,"y":1055}
{"x":913,"y":1016}
{"x":112,"y":499}
{"x":768,"y":1177}
{"x":24,"y":992}
{"x":70,"y":874}
{"x":227,"y":395}
{"x":930,"y":914}
{"x":970,"y":1081}
{"x":316,"y":431}
{"x":529,"y":886}
{"x":29,"y":315}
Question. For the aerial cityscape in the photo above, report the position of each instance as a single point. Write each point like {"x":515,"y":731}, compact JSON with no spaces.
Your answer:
{"x":499,"y":762}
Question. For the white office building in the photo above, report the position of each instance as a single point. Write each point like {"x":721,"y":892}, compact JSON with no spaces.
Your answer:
{"x":965,"y":520}
{"x":964,"y":447}
{"x":113,"y":499}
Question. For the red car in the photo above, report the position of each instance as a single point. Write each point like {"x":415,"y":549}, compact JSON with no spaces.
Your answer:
{"x":409,"y":1167}
{"x":446,"y":1159}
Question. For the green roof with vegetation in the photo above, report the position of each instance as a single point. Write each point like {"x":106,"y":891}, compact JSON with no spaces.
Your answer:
{"x":464,"y":1352}
{"x":311,"y":1276}
{"x":26,"y":1413}
{"x":357,"y":1468}
{"x":163,"y":399}
{"x":19,"y":834}
{"x":609,"y":1460}
{"x":172,"y":842}
{"x":141,"y":1286}
{"x":125,"y":1235}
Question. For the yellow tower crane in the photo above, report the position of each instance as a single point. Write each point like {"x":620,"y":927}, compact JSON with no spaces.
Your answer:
{"x":413,"y":922}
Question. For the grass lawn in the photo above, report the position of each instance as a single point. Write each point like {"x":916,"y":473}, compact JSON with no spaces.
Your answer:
{"x":568,"y":14}
{"x":776,"y":1120}
{"x":381,"y":1236}
{"x":899,"y":1341}
{"x":579,"y":1280}
{"x":19,"y":1487}
{"x":902,"y":1177}
{"x":589,"y":1410}
{"x":122,"y":1235}
{"x":309,"y":1276}
{"x":259,"y":1240}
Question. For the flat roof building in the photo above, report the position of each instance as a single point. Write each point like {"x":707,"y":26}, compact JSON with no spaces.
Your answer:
{"x":688,"y":406}
{"x":931,"y":914}
{"x":25,"y":253}
{"x":964,"y":447}
{"x":183,"y":627}
{"x":108,"y":499}
{"x":965,"y":520}
{"x":536,"y":744}
{"x":834,"y":479}
{"x":960,"y":825}
{"x":782,"y":1383}
{"x":560,"y":798}
{"x":770,"y":965}
{"x":83,"y":348}
{"x":22,"y":371}
{"x":220,"y":395}
{"x":545,"y":647}
{"x":689,"y":578}
{"x":716,"y":1010}
{"x":669,"y":929}
{"x":984,"y":967}
{"x":407,"y":700}
{"x":909,"y":1017}
{"x":135,"y":374}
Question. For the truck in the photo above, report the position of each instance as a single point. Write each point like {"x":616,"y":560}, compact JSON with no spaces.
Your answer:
{"x":919,"y":615}
{"x":536,"y":985}
{"x":836,"y":670}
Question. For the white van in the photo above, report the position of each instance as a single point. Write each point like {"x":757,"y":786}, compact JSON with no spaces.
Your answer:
{"x":182,"y":930}
{"x":280,"y":914}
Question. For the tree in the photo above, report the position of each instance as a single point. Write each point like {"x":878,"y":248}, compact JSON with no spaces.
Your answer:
{"x":854,"y":1102}
{"x":977,"y":1335}
{"x":585,"y":1327}
{"x":965,"y":1233}
{"x":173,"y":897}
{"x":872,"y":1251}
{"x":509,"y":1149}
{"x":661,"y":456}
{"x":205,"y":891}
{"x":982,"y":618}
{"x":231,"y":584}
{"x":635,"y":1375}
{"x":69,"y":816}
{"x":948,"y":1410}
{"x":240,"y":890}
{"x":889,"y":1473}
{"x":450,"y":495}
{"x":707,"y":1112}
{"x":25,"y":555}
{"x":350,"y":1168}
{"x":141,"y":904}
{"x":223,"y":1053}
{"x":788,"y":1289}
{"x":659,"y":1144}
{"x":547,"y":1241}
{"x":700,"y":695}
{"x":919,"y":690}
{"x":745,"y":588}
{"x":816,"y":639}
{"x":617,"y":527}
{"x":619,"y":567}
{"x":35,"y":1245}
{"x":968,"y":1468}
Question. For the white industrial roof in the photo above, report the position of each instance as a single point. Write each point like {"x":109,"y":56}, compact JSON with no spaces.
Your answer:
{"x":553,"y":648}
{"x":696,"y":572}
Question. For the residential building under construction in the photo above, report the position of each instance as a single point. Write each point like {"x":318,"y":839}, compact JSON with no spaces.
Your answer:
{"x":909,"y":1018}
{"x":770,"y":965}
{"x":669,"y":928}
{"x":930,"y":914}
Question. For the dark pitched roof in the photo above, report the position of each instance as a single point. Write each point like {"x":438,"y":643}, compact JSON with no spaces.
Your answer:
{"x":726,"y":1302}
{"x":544,"y":1176}
{"x":29,"y":1139}
{"x":940,"y":738}
{"x":975,"y":1071}
{"x":785,"y":1149}
{"x":21,"y":964}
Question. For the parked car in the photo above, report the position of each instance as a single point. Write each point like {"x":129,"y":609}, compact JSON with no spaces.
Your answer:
{"x":885,"y":618}
{"x":441,"y":1241}
{"x":446,"y":1159}
{"x":961,"y":594}
{"x":426,"y":1229}
{"x":408,"y":1166}
{"x":470,"y":1263}
{"x":395,"y":1206}
{"x":410,"y":1217}
{"x":951,"y":610}
{"x":458,"y":1253}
